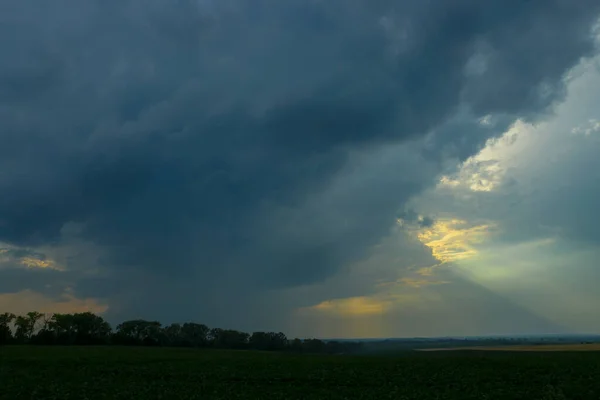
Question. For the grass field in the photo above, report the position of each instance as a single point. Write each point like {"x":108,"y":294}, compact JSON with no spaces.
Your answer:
{"x":536,"y":348}
{"x":157,"y":373}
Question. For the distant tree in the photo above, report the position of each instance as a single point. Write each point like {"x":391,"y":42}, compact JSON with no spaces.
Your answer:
{"x":5,"y":332}
{"x":258,"y":341}
{"x":26,"y":325}
{"x":215,"y":336}
{"x":152,"y":333}
{"x":313,"y":346}
{"x":139,"y":332}
{"x":88,"y":328}
{"x":334,"y":347}
{"x":80,"y":328}
{"x":228,"y":338}
{"x":44,"y":335}
{"x":195,"y":335}
{"x":45,"y":319}
{"x":268,"y":341}
{"x":295,"y":345}
{"x":129,"y":332}
{"x":278,"y":341}
{"x":63,"y":328}
{"x":172,"y":336}
{"x":237,"y":339}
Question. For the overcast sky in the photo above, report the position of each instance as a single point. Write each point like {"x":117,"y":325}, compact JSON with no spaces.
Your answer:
{"x":323,"y":168}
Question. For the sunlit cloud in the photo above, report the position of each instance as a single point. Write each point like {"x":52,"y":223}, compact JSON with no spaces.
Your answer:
{"x":477,"y":176}
{"x":454,"y":239}
{"x":31,"y":262}
{"x":486,"y":170}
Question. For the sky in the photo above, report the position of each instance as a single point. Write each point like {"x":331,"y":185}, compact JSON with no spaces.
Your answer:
{"x":323,"y":168}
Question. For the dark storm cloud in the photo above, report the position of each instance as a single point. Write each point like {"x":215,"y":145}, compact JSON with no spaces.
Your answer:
{"x":411,"y":217}
{"x":192,"y":139}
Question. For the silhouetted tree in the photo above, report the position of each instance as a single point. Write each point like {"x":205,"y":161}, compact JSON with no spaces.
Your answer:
{"x":334,"y":347}
{"x":5,"y":332}
{"x":195,"y":335}
{"x":295,"y":345}
{"x":268,"y":341}
{"x":172,"y":336}
{"x":228,"y":338}
{"x":26,"y":325}
{"x":138,"y":332}
{"x":313,"y":346}
{"x":87,"y":328}
{"x":90,"y":328}
{"x":80,"y":328}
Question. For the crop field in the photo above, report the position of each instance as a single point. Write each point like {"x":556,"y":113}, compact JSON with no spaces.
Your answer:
{"x":535,"y":348}
{"x":159,"y":373}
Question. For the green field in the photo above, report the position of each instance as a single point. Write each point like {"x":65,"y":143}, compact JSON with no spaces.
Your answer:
{"x":158,"y":373}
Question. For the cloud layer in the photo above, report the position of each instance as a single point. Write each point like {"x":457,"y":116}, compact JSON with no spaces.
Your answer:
{"x":186,"y":157}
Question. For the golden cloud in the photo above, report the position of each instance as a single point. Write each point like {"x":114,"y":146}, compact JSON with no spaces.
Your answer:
{"x":31,"y":262}
{"x":482,"y":176}
{"x":453,"y":240}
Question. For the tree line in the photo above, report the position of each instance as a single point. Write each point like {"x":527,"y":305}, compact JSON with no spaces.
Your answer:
{"x":90,"y":329}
